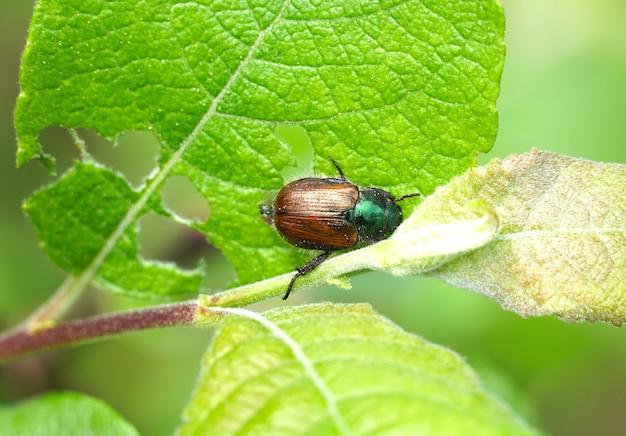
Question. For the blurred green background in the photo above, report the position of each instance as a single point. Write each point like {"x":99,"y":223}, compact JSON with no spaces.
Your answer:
{"x":563,"y":89}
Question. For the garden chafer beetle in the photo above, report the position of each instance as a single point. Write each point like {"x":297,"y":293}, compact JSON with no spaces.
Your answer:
{"x":332,"y":214}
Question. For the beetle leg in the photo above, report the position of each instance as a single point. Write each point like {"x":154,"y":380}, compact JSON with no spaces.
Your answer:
{"x":311,"y":265}
{"x":338,"y":168}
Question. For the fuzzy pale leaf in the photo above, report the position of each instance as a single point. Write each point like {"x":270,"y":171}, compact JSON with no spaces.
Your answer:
{"x":561,"y":248}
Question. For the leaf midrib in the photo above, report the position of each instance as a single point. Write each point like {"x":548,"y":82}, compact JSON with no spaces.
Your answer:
{"x":524,"y":234}
{"x":87,"y":275}
{"x":306,"y":363}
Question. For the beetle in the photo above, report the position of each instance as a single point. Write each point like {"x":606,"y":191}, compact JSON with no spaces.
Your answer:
{"x":332,"y":214}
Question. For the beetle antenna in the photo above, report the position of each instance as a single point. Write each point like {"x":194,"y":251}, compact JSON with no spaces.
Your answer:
{"x":311,"y":265}
{"x":416,"y":194}
{"x":338,"y":168}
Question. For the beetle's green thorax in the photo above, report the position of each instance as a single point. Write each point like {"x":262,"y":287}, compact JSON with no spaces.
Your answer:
{"x":375,"y":215}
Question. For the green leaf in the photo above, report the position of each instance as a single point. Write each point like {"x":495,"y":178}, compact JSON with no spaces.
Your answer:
{"x":65,"y":413}
{"x":561,"y":248}
{"x":336,"y":369}
{"x":402,"y":94}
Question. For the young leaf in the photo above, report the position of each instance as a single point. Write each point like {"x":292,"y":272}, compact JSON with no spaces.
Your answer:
{"x":419,"y":245}
{"x":336,"y":369}
{"x":402,"y":94}
{"x":561,"y":248}
{"x":65,"y":413}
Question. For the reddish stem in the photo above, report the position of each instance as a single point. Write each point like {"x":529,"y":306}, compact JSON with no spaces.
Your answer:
{"x":21,"y":341}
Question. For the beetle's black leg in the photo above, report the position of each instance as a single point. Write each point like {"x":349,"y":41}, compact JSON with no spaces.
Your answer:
{"x":417,"y":194}
{"x":311,"y":265}
{"x":338,"y":168}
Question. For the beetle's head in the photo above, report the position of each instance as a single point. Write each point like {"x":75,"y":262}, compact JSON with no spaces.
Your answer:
{"x":267,"y":212}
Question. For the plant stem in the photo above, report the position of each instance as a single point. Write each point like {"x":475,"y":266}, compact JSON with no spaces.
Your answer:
{"x":56,"y":306}
{"x":21,"y":340}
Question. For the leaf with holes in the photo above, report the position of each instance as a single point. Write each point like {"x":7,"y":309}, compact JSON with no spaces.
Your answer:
{"x":336,"y":369}
{"x":402,"y":94}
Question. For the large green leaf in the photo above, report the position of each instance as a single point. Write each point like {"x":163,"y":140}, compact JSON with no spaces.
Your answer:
{"x":401,"y":93}
{"x":336,"y":369}
{"x":64,"y":413}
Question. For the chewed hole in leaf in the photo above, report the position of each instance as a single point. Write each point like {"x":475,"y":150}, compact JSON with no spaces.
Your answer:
{"x":298,"y":141}
{"x":163,"y":239}
{"x":181,"y":198}
{"x":219,"y":272}
{"x":166,"y":240}
{"x":134,"y":155}
{"x":57,"y":142}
